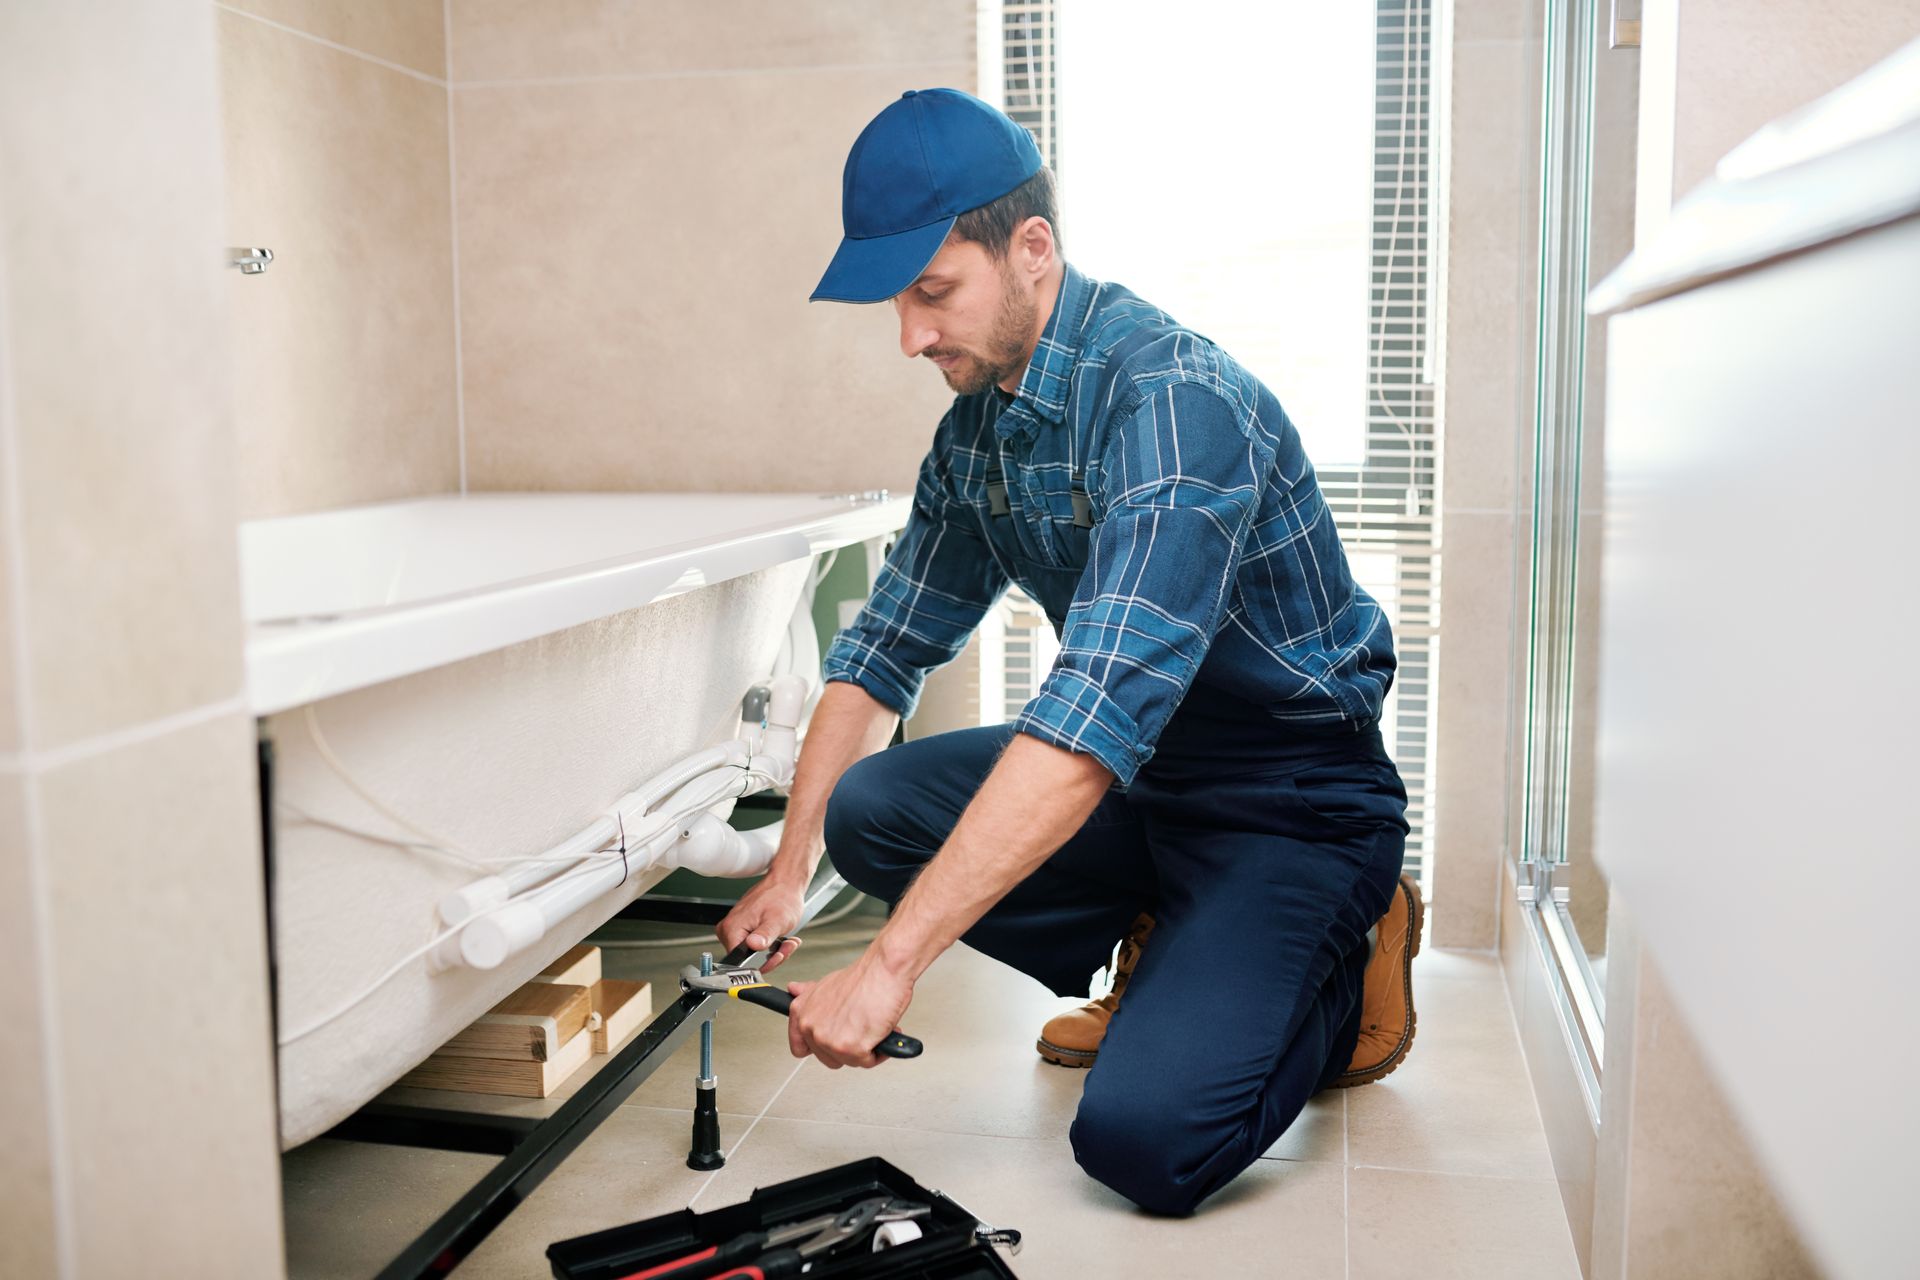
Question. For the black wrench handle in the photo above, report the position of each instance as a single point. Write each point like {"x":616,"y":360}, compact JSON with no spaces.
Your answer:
{"x":897,"y":1045}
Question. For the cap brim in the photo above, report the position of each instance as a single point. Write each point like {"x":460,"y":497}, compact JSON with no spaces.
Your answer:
{"x":875,"y":269}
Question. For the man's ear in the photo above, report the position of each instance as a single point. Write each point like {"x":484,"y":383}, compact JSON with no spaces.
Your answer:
{"x":1033,"y":246}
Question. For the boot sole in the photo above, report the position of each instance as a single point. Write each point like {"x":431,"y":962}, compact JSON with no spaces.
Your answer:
{"x":1064,"y":1057}
{"x":1417,"y":910}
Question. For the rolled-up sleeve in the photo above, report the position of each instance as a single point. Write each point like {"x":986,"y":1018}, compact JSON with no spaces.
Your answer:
{"x":936,"y":585}
{"x":1182,"y":476}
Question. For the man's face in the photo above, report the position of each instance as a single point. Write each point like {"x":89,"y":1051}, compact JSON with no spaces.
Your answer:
{"x":970,"y":315}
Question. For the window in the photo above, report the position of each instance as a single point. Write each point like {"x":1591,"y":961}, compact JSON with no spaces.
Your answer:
{"x":1263,"y":172}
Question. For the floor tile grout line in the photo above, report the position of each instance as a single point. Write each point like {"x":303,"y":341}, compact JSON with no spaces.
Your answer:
{"x":944,"y":1133}
{"x":1346,"y":1188}
{"x":734,"y":1150}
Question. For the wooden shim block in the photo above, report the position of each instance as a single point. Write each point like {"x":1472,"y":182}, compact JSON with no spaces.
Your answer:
{"x":624,"y":1008}
{"x":514,"y":1077}
{"x":531,"y":1024}
{"x":579,"y":967}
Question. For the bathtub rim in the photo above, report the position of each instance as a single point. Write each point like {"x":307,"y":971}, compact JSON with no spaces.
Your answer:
{"x":290,"y":663}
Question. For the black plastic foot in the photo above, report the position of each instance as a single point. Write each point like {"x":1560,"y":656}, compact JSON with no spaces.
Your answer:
{"x":705,"y":1154}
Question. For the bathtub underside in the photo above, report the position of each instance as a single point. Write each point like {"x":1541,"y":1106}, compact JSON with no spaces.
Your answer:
{"x":500,"y":754}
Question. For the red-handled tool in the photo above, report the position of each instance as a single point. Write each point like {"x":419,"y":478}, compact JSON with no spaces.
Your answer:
{"x":768,"y":1255}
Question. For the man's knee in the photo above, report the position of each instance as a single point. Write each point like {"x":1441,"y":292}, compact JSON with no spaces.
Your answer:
{"x":855,"y":830}
{"x":1142,"y":1149}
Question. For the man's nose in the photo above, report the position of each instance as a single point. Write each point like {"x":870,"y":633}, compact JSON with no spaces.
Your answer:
{"x":915,"y":336}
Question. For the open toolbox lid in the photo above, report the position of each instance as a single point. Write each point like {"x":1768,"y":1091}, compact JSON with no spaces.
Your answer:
{"x":954,"y":1245}
{"x":1843,"y":164}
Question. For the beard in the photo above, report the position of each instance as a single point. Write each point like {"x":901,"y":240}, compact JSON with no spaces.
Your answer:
{"x":1006,"y":344}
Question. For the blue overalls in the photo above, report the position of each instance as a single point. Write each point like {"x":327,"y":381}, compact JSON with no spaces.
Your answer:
{"x":1264,"y":837}
{"x":1264,"y":861}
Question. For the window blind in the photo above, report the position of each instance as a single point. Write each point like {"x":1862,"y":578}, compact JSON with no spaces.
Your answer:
{"x":1385,"y":506}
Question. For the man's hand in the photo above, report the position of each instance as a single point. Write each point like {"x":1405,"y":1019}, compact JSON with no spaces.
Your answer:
{"x":840,"y":1018}
{"x":765,"y":912}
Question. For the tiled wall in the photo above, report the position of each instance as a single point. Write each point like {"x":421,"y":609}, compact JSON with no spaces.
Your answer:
{"x":1486,"y":467}
{"x":136,"y":1088}
{"x":337,"y":160}
{"x":646,"y":195}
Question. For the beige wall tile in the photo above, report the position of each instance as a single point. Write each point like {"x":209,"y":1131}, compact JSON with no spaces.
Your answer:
{"x":1490,"y":316}
{"x":409,"y":32}
{"x":343,"y":349}
{"x":1496,"y":19}
{"x":1440,"y":1227}
{"x":121,"y":405}
{"x":512,"y":40}
{"x":1698,"y":1204}
{"x":158,"y":950}
{"x":27,"y":1246}
{"x":10,"y":697}
{"x":634,"y":313}
{"x":1473,"y":774}
{"x":1736,"y":74}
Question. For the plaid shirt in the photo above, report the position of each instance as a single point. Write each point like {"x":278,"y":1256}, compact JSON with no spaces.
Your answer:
{"x":1211,"y":555}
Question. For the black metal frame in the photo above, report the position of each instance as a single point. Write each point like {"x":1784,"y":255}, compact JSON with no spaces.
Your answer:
{"x":532,"y":1149}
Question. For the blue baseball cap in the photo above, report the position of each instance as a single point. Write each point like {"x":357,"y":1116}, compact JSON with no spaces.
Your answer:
{"x":919,"y":165}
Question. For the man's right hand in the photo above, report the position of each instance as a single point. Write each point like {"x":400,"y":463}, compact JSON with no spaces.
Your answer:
{"x":765,"y":912}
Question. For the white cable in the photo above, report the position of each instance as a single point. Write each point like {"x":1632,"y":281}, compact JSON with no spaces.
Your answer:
{"x":353,"y":784}
{"x":350,"y":1005}
{"x":375,"y":837}
{"x":483,"y":865}
{"x":592,"y":863}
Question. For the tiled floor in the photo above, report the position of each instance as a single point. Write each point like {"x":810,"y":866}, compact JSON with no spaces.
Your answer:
{"x":1440,"y":1170}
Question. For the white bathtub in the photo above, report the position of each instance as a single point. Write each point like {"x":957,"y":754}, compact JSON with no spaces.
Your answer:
{"x":496,"y":669}
{"x":343,"y":599}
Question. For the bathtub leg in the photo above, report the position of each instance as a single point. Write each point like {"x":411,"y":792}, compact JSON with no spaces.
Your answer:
{"x":706,"y":1153}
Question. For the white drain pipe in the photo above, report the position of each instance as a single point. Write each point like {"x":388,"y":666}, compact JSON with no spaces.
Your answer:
{"x":507,"y":913}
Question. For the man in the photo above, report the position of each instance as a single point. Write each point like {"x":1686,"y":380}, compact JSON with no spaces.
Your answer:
{"x":1203,"y":761}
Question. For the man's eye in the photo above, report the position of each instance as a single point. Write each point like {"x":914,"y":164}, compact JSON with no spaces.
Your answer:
{"x":934,"y":297}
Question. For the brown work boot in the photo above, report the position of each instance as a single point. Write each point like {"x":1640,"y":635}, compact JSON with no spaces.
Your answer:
{"x":1072,"y":1039}
{"x":1386,"y":994}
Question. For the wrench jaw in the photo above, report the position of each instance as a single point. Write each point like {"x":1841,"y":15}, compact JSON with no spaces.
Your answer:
{"x":856,"y":1222}
{"x":691,"y":979}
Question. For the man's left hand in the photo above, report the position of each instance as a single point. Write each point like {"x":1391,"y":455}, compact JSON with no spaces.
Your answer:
{"x":840,"y":1018}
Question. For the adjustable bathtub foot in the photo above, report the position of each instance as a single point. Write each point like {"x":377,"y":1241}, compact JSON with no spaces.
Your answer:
{"x":706,"y":1153}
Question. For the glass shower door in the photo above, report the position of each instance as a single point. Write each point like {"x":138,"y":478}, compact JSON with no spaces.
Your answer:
{"x":1586,"y":223}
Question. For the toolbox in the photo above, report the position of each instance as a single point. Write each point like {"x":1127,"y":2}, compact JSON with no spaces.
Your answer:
{"x":953,"y":1244}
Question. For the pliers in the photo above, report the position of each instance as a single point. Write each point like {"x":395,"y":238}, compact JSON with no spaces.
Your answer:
{"x":751,"y":985}
{"x":766,"y":1255}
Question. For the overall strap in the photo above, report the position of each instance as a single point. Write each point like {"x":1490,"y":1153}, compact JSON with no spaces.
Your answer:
{"x":1122,"y":351}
